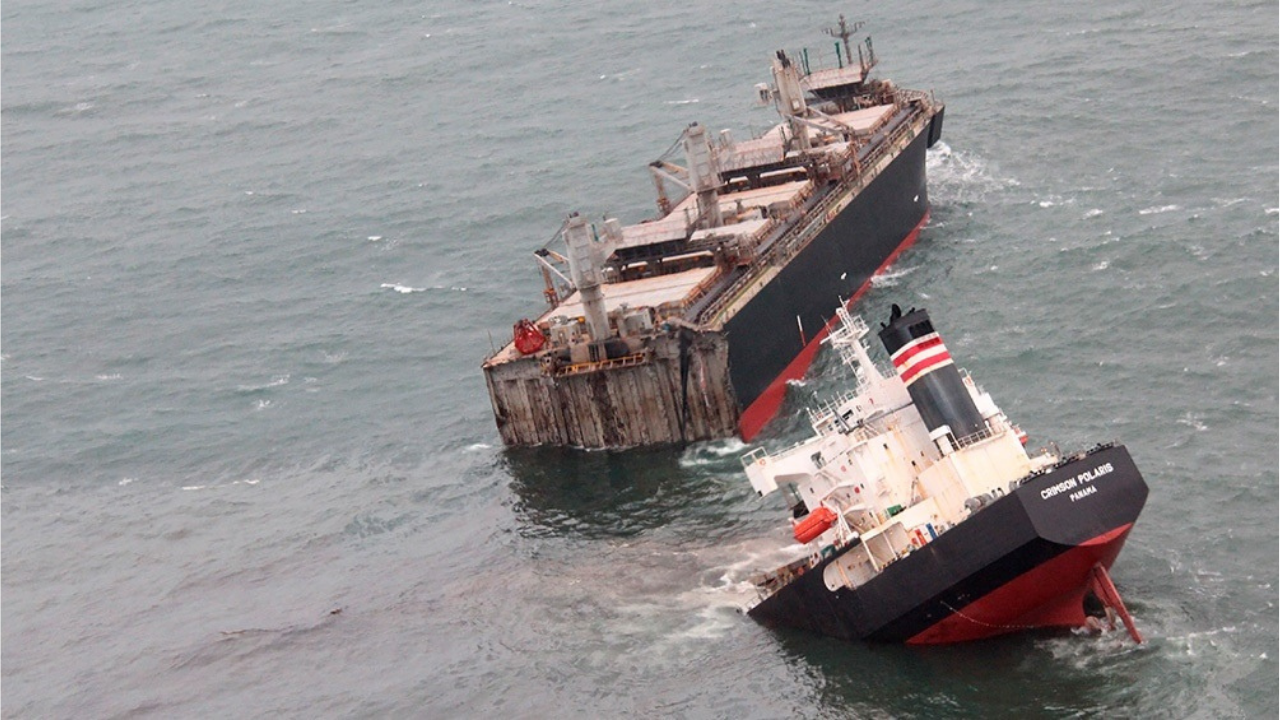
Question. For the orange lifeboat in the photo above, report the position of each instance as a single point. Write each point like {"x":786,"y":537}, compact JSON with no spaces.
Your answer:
{"x":528,"y":338}
{"x":816,"y":523}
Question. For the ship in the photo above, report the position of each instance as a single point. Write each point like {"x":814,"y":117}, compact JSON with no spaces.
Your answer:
{"x":688,"y":326}
{"x":919,"y":517}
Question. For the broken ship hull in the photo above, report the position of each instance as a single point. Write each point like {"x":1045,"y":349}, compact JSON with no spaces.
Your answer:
{"x":727,"y":375}
{"x":774,"y":337}
{"x":1027,"y":560}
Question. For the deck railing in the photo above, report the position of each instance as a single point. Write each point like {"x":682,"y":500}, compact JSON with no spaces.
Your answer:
{"x":790,"y":244}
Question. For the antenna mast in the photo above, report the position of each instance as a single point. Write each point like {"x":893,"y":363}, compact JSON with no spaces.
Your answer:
{"x":844,"y":33}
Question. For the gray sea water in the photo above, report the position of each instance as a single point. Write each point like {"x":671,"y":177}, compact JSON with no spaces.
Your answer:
{"x":253,"y":254}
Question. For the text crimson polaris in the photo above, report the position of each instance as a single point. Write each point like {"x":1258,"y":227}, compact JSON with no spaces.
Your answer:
{"x":1072,"y":483}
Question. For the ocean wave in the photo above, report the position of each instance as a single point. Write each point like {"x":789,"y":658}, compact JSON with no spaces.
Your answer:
{"x":711,"y":453}
{"x":78,"y":108}
{"x":1229,"y":202}
{"x":403,"y":289}
{"x":890,"y":278}
{"x":1157,"y":210}
{"x":277,"y":381}
{"x":961,"y":177}
{"x":1192,"y":420}
{"x":726,"y":448}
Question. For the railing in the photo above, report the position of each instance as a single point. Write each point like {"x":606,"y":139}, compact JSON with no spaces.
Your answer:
{"x":751,"y":457}
{"x":579,"y":368}
{"x":797,"y":238}
{"x":827,"y":410}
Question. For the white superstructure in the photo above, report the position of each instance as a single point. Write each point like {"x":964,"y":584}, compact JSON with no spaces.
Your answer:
{"x":875,"y":477}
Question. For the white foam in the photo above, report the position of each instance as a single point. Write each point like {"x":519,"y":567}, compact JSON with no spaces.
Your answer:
{"x":710,"y":453}
{"x":1158,"y":210}
{"x":890,"y":278}
{"x":277,"y":381}
{"x":114,"y":376}
{"x":1093,"y":213}
{"x":125,"y":481}
{"x":1102,"y":265}
{"x":731,"y":446}
{"x":958,"y":177}
{"x":375,"y":238}
{"x":403,"y":289}
{"x":1192,"y":420}
{"x":690,"y":101}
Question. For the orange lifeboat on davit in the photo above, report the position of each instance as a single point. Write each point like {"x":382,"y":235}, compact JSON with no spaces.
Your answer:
{"x":528,"y":338}
{"x":814,"y":524}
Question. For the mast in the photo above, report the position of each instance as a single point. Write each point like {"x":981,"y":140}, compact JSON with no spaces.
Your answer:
{"x":704,"y":176}
{"x":585,"y":262}
{"x":791,"y":102}
{"x":844,"y":33}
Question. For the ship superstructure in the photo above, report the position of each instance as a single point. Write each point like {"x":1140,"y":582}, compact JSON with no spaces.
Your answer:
{"x":687,"y":326}
{"x":920,"y":516}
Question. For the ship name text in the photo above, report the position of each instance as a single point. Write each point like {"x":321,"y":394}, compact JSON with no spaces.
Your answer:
{"x":1078,"y":486}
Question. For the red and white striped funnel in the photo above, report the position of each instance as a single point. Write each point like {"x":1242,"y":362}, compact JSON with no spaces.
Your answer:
{"x":925,"y":367}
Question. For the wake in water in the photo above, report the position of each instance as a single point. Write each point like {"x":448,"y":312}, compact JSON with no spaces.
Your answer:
{"x":961,"y":178}
{"x":712,"y":453}
{"x":891,"y":277}
{"x":684,"y":596}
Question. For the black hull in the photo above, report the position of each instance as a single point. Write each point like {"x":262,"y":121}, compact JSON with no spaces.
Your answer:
{"x":1020,"y":562}
{"x":765,"y":339}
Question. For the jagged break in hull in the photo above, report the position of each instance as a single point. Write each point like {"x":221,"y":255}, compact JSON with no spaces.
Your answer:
{"x":775,"y":337}
{"x":687,"y":326}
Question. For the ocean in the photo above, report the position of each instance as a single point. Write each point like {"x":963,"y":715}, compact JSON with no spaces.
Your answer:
{"x":253,"y":256}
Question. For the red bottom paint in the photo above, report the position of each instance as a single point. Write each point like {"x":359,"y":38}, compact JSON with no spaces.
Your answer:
{"x":762,"y":410}
{"x":1051,"y":595}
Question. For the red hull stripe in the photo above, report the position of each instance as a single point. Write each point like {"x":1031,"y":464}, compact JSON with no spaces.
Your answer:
{"x":924,"y":365}
{"x":761,"y":411}
{"x":1050,"y":595}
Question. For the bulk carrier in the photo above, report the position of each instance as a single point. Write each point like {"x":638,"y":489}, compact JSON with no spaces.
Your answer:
{"x":688,"y":326}
{"x":921,"y":518}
